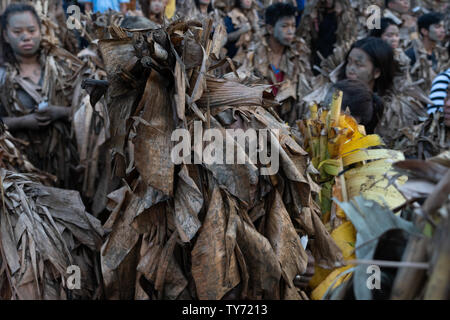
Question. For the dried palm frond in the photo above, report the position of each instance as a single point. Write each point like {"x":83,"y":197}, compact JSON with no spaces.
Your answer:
{"x":229,"y":93}
{"x":425,"y":139}
{"x":172,"y":224}
{"x":12,"y":159}
{"x":44,"y":231}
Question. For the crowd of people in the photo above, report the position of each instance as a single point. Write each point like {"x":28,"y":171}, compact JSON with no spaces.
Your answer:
{"x":301,"y":48}
{"x":393,"y":76}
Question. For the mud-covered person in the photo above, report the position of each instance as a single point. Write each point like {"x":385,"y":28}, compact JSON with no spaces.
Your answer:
{"x":31,"y":99}
{"x":400,"y":12}
{"x":326,"y":37}
{"x":371,"y":60}
{"x":278,"y":60}
{"x":202,"y":9}
{"x":390,"y":33}
{"x":432,"y":32}
{"x":153,"y":10}
{"x":242,"y":24}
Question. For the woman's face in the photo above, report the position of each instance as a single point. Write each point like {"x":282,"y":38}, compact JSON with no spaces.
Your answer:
{"x":360,"y":67}
{"x":23,"y":34}
{"x":391,"y":36}
{"x":246,"y":4}
{"x":156,"y":6}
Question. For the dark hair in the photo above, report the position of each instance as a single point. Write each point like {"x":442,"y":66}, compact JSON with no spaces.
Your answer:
{"x":384,"y":24}
{"x":426,"y":20}
{"x":362,"y":103}
{"x":386,"y":2}
{"x":382,"y":57}
{"x":210,"y":8}
{"x":279,"y":10}
{"x":7,"y":52}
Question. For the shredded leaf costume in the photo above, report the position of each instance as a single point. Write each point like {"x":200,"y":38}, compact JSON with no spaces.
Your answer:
{"x":51,"y":148}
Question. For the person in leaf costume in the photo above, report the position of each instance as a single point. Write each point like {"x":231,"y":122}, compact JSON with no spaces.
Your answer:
{"x":282,"y":61}
{"x":153,"y":10}
{"x":399,"y":11}
{"x":36,"y":95}
{"x":371,"y":60}
{"x":242,"y":25}
{"x":326,"y":25}
{"x":200,"y":231}
{"x":427,"y":56}
{"x":408,"y":101}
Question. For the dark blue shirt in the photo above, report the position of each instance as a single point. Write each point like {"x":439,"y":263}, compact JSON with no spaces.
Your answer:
{"x":231,"y":45}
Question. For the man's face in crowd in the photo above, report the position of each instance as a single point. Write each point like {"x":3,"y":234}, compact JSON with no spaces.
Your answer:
{"x":360,"y":67}
{"x":400,"y":6}
{"x":23,"y":34}
{"x":437,"y":32}
{"x":284,"y":30}
{"x":391,"y":36}
{"x":246,"y":4}
{"x":156,"y":6}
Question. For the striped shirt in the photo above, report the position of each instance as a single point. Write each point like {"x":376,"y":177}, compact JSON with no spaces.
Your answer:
{"x":439,"y":91}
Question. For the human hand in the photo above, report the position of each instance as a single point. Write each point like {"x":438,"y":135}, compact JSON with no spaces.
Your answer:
{"x":33,"y":121}
{"x":302,"y":281}
{"x":51,"y":113}
{"x":245,"y":28}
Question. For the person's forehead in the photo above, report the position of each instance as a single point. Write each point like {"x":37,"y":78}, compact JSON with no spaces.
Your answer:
{"x":22,"y":19}
{"x":359,"y":54}
{"x":392,"y":28}
{"x":286,"y":19}
{"x":439,"y":24}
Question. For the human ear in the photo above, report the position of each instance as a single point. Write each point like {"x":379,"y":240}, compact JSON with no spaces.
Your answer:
{"x":424,"y":32}
{"x":5,"y":36}
{"x":376,"y":73}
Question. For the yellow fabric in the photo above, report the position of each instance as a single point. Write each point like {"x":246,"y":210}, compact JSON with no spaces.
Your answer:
{"x":170,"y":9}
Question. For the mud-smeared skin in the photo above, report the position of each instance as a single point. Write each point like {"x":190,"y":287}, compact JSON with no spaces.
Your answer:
{"x":284,"y":30}
{"x":359,"y":67}
{"x":23,"y":30}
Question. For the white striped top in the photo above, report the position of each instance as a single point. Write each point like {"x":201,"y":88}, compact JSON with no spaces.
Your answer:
{"x":439,"y":91}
